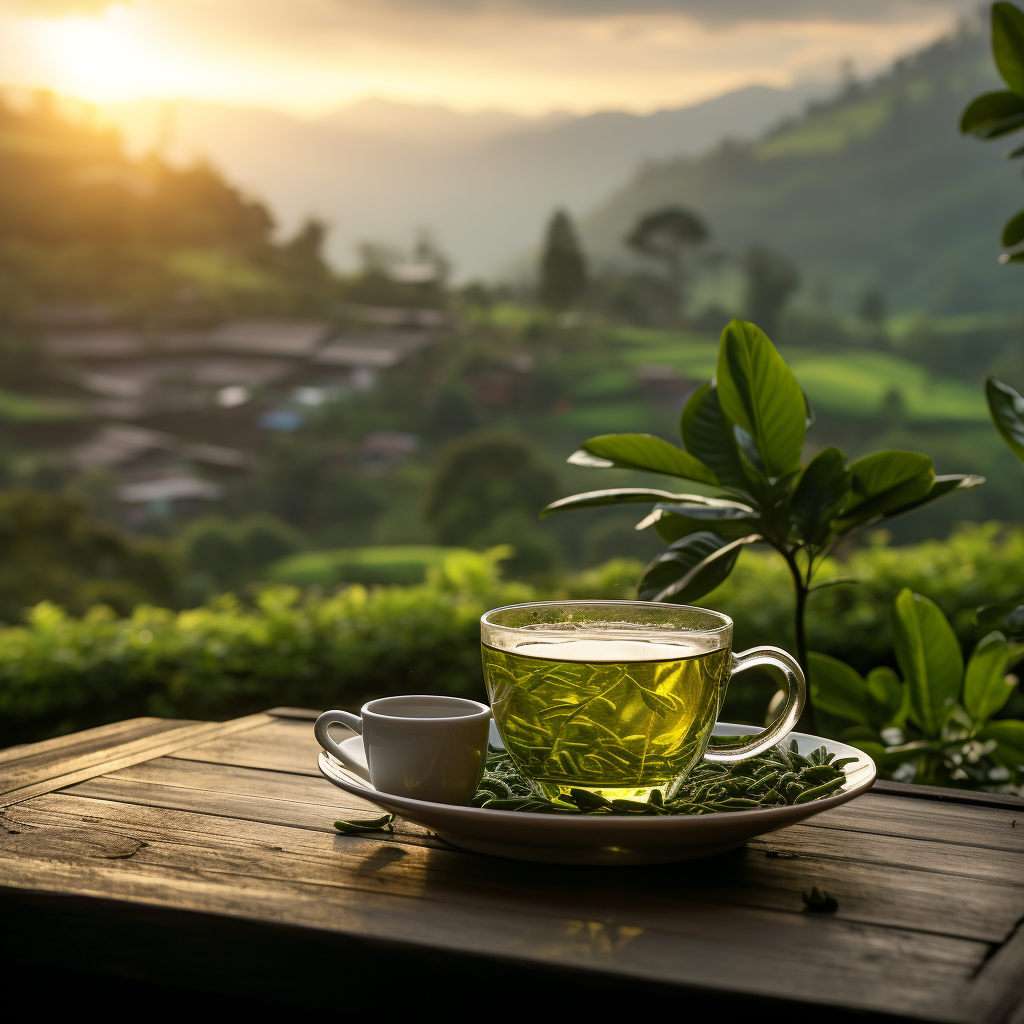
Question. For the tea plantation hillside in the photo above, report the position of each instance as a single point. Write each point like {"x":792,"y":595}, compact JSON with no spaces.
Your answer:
{"x":875,"y":189}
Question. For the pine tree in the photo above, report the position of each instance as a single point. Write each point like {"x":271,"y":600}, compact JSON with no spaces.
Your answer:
{"x":563,"y":267}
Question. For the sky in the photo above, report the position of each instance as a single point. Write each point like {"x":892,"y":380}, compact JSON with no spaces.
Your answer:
{"x":530,"y":57}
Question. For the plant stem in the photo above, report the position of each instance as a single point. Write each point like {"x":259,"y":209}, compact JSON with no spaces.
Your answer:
{"x":802,"y":586}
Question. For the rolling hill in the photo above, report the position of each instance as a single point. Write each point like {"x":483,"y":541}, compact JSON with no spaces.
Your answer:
{"x":484,"y":183}
{"x":873,"y":189}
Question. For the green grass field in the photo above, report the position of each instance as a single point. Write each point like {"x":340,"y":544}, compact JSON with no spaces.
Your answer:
{"x":399,"y":563}
{"x":852,"y":383}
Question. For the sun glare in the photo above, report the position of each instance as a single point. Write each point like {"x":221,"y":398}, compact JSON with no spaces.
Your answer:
{"x":104,"y":59}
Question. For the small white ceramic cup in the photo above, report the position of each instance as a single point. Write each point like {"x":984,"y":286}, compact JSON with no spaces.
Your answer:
{"x":419,"y":746}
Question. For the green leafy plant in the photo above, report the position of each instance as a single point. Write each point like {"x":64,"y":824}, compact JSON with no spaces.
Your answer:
{"x":935,"y":724}
{"x":743,"y":435}
{"x":995,"y":114}
{"x":1006,"y":408}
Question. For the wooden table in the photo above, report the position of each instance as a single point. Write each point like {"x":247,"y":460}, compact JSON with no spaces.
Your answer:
{"x":201,"y":857}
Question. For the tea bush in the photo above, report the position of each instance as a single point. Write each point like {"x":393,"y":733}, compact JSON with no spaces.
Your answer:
{"x":59,"y":673}
{"x":977,"y":565}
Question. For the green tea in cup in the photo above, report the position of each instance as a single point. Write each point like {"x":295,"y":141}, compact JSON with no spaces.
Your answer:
{"x":618,"y":697}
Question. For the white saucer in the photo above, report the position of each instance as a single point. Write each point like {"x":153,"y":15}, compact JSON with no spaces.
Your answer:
{"x":605,"y":839}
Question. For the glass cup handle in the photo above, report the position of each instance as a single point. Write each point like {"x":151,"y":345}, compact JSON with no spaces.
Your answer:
{"x":796,"y":695}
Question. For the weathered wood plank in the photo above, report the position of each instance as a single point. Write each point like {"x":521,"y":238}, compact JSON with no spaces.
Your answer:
{"x":737,"y":949}
{"x":283,"y":745}
{"x":997,"y":992}
{"x":659,"y":898}
{"x":77,"y":744}
{"x":317,"y":810}
{"x":885,"y":851}
{"x":962,"y":824}
{"x":946,"y":795}
{"x":894,"y":896}
{"x":48,"y":776}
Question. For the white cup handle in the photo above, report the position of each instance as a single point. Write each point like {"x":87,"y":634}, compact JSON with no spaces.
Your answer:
{"x":323,"y":736}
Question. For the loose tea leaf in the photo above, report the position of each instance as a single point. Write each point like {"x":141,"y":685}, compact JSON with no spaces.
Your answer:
{"x":775,"y":779}
{"x":361,"y":826}
{"x":818,"y":901}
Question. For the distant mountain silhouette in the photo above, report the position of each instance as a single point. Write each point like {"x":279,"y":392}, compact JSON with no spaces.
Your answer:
{"x":484,"y":183}
{"x":875,"y":189}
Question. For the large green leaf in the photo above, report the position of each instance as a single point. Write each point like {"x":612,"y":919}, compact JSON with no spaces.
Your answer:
{"x":837,"y":688}
{"x":820,"y":492}
{"x":929,"y":656}
{"x":885,"y":481}
{"x":621,"y":496}
{"x":1007,"y":410}
{"x":1009,"y":736}
{"x":708,"y":435}
{"x":1013,"y":229}
{"x":651,"y":454}
{"x":993,"y":114}
{"x":1008,"y":615}
{"x":691,"y":568}
{"x":943,"y":485}
{"x":759,"y":393}
{"x":890,"y":698}
{"x":985,"y":687}
{"x":677,"y":521}
{"x":1008,"y":44}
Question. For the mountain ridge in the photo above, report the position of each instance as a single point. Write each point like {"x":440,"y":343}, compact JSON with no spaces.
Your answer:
{"x":485,"y":195}
{"x":875,"y":189}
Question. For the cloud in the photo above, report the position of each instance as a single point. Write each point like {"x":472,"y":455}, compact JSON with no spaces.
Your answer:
{"x":525,"y":55}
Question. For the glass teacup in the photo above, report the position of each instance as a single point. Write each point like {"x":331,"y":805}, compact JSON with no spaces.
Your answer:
{"x":618,"y":697}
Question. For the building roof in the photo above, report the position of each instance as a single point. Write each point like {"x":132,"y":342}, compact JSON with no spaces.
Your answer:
{"x":170,"y":489}
{"x":397,"y":316}
{"x":119,"y":443}
{"x":297,"y":339}
{"x":374,"y":350}
{"x":109,"y":344}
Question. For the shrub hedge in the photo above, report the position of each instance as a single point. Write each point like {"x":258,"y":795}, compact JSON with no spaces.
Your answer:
{"x":59,"y":673}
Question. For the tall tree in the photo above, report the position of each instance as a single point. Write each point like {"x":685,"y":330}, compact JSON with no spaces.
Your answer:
{"x":563,"y":267}
{"x":771,"y":277}
{"x":666,"y":235}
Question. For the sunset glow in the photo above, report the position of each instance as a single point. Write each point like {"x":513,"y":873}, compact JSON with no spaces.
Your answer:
{"x":313,"y":55}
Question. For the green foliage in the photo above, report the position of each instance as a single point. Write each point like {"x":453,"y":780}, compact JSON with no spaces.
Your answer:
{"x":231,"y":554}
{"x":994,"y":114}
{"x":51,"y":549}
{"x":935,"y":725}
{"x":1007,"y":410}
{"x":80,"y":221}
{"x":827,"y":187}
{"x":563,"y":268}
{"x":61,"y":673}
{"x":398,"y":563}
{"x":771,"y":278}
{"x":745,"y":432}
{"x":665,"y":235}
{"x":487,"y":487}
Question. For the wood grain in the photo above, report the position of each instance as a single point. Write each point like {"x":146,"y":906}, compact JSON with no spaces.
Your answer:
{"x":283,"y":745}
{"x":43,"y":776}
{"x":74,"y":744}
{"x":910,"y":896}
{"x":997,"y":995}
{"x":233,"y":822}
{"x":394,"y":899}
{"x":990,"y":828}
